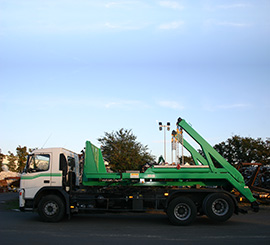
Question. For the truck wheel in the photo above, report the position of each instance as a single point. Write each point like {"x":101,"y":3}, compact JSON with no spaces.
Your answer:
{"x":51,"y":208}
{"x":182,"y":211}
{"x":218,"y":206}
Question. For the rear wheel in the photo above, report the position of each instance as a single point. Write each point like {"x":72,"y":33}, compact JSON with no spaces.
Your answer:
{"x":51,"y":208}
{"x":182,"y":211}
{"x":218,"y":206}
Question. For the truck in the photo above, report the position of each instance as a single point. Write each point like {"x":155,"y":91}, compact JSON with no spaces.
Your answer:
{"x":58,"y":183}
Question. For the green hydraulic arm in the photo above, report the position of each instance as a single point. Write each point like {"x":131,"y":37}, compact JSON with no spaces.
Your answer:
{"x":209,"y":170}
{"x":214,"y":160}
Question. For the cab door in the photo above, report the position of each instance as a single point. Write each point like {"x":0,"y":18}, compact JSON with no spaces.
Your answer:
{"x":38,"y":174}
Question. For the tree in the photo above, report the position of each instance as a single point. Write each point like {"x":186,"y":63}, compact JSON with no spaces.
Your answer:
{"x":11,"y":161}
{"x":244,"y":149}
{"x":22,"y":154}
{"x":123,"y":152}
{"x":1,"y":159}
{"x":187,"y":159}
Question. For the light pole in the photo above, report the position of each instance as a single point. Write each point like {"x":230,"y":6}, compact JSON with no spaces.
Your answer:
{"x":168,"y":128}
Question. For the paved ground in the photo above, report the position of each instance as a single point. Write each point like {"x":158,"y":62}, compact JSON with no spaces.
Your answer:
{"x":25,"y":228}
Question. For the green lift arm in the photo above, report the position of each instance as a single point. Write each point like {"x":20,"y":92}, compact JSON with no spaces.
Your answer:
{"x":214,"y":160}
{"x":211,"y":170}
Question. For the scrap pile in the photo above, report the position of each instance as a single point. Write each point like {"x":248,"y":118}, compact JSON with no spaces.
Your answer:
{"x":257,"y":177}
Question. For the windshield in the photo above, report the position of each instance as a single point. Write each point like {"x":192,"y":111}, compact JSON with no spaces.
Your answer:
{"x":36,"y":163}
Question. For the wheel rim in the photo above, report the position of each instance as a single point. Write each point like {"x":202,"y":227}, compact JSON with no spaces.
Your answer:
{"x":182,"y":211}
{"x":220,"y":207}
{"x":50,"y":209}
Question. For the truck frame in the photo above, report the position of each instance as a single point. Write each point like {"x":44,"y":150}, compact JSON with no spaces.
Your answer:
{"x":57,"y":182}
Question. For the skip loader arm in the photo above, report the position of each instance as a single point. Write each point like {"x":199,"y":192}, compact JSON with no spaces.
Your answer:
{"x":214,"y":160}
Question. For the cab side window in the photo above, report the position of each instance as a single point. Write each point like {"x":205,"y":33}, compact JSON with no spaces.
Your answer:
{"x":39,"y":163}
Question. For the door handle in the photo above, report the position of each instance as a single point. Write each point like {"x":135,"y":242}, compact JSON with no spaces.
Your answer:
{"x":46,"y":181}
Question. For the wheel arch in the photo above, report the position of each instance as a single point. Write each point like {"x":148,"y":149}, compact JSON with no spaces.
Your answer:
{"x":57,"y":191}
{"x":196,"y":195}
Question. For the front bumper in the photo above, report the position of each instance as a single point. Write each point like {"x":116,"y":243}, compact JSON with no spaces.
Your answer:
{"x":21,"y":198}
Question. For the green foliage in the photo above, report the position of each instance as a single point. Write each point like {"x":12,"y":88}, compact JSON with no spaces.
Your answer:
{"x":11,"y":161}
{"x":187,"y":159}
{"x":16,"y":163}
{"x":1,"y":159}
{"x":22,"y":157}
{"x":244,"y":149}
{"x":123,"y":152}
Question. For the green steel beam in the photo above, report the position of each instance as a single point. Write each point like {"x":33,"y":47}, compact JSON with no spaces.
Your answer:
{"x":235,"y":178}
{"x":204,"y":173}
{"x":209,"y":151}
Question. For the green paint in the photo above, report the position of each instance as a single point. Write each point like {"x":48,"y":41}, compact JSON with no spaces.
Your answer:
{"x":41,"y":175}
{"x":205,"y":173}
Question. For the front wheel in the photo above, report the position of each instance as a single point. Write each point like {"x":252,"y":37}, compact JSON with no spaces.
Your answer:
{"x":182,"y":211}
{"x":218,"y":206}
{"x":51,"y":208}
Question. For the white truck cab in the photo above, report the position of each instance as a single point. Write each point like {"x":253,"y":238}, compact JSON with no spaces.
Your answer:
{"x":46,"y":171}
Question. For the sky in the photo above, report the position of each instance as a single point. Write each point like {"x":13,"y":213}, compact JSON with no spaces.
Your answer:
{"x":72,"y":70}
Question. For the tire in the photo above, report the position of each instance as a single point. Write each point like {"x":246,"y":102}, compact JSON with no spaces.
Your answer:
{"x":51,"y":208}
{"x":218,"y":206}
{"x":182,"y":211}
